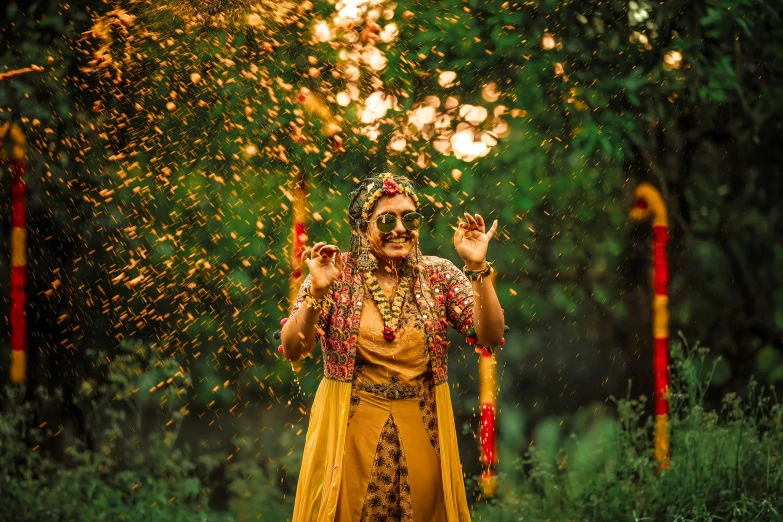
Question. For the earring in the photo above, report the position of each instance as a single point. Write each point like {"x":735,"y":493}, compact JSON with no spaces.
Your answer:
{"x":366,"y":262}
{"x":412,"y":260}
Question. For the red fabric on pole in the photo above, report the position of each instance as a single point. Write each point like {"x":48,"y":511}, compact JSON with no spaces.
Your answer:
{"x":299,"y":234}
{"x":487,"y":434}
{"x":17,"y":317}
{"x":660,"y":237}
{"x":18,"y":320}
{"x":18,"y":191}
{"x":661,"y":350}
{"x":661,"y":373}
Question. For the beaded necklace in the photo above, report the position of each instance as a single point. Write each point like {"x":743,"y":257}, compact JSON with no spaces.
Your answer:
{"x":391,"y":314}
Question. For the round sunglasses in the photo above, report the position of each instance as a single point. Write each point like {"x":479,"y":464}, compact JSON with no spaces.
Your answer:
{"x":388,"y":222}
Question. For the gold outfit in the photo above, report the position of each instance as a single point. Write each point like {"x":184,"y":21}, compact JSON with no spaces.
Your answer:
{"x":382,"y":424}
{"x":391,"y":463}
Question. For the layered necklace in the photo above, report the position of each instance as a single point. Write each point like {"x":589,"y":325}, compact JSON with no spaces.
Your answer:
{"x":391,"y":313}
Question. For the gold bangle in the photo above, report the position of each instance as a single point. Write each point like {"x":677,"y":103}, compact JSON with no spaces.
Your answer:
{"x":321,"y":304}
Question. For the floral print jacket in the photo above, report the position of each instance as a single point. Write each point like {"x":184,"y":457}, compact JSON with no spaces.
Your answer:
{"x":443,"y":293}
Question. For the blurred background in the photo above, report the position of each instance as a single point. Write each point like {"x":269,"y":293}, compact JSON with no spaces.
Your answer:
{"x":177,"y":152}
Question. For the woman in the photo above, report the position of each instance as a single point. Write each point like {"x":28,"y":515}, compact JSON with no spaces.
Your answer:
{"x":381,"y":444}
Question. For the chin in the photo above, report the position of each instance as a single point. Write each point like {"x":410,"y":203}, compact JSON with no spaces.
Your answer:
{"x":399,"y":251}
{"x":396,"y":255}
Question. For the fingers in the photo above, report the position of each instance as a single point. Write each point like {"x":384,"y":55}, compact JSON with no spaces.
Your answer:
{"x":327,"y":251}
{"x":492,"y":230}
{"x":323,"y":253}
{"x":459,"y":233}
{"x":315,"y":251}
{"x":338,"y":260}
{"x":323,"y":249}
{"x":475,"y":222}
{"x":480,"y":222}
{"x":471,"y":221}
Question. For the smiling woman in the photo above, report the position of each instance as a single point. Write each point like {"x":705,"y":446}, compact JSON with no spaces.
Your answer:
{"x":393,"y":230}
{"x":381,"y":440}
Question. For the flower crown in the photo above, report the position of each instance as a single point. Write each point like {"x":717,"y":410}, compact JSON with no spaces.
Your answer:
{"x":389,"y":187}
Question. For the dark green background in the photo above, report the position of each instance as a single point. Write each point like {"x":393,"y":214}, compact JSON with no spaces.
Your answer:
{"x":574,"y":272}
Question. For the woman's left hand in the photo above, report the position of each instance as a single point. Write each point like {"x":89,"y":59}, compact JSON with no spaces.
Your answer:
{"x":471,"y":241}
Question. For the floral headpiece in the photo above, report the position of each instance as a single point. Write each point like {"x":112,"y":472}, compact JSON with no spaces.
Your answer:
{"x":389,"y":187}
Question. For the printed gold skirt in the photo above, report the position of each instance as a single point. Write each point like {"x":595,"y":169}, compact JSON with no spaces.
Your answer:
{"x":391,"y":464}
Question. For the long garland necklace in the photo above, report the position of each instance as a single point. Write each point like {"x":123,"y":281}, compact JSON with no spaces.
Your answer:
{"x":391,"y":314}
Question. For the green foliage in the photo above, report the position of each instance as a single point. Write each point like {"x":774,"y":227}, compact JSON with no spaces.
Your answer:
{"x":132,"y":466}
{"x":190,"y":252}
{"x":194,"y":210}
{"x":727,"y":463}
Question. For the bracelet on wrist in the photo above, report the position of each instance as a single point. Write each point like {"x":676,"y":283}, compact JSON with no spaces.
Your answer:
{"x":319,"y":303}
{"x":472,"y":339}
{"x":478,"y":275}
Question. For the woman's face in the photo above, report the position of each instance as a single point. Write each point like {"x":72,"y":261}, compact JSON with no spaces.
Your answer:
{"x":396,"y":245}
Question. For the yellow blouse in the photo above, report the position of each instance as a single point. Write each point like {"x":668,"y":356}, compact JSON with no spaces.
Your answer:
{"x":403,"y":357}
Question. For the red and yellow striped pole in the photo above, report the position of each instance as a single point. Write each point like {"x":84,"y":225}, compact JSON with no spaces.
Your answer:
{"x":298,"y":232}
{"x":488,"y":394}
{"x":298,"y":242}
{"x":487,"y":429}
{"x":18,"y":318}
{"x":649,"y":203}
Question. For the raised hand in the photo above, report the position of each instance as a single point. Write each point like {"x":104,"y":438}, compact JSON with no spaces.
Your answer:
{"x":324,"y":264}
{"x":471,"y":240}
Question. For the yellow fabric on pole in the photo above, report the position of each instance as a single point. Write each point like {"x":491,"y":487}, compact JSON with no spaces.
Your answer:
{"x":661,"y":448}
{"x":487,"y":380}
{"x":18,"y":366}
{"x":655,"y":205}
{"x":660,"y":317}
{"x":18,"y":246}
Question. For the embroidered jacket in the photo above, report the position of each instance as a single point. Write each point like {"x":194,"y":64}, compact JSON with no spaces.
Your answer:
{"x":443,"y":294}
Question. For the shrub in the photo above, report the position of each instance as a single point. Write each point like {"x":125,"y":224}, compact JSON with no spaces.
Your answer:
{"x":727,"y":462}
{"x":135,"y":471}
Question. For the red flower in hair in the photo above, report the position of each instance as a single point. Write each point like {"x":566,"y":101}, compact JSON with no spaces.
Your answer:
{"x":390,"y":187}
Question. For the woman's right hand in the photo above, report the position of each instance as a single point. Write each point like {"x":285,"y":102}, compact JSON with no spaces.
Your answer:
{"x":324,"y":264}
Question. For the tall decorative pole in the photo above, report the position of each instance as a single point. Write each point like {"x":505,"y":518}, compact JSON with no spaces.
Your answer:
{"x":488,"y":393}
{"x":298,"y":231}
{"x":649,"y":203}
{"x":315,"y":107}
{"x":488,"y":407}
{"x":298,"y":241}
{"x":18,"y":317}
